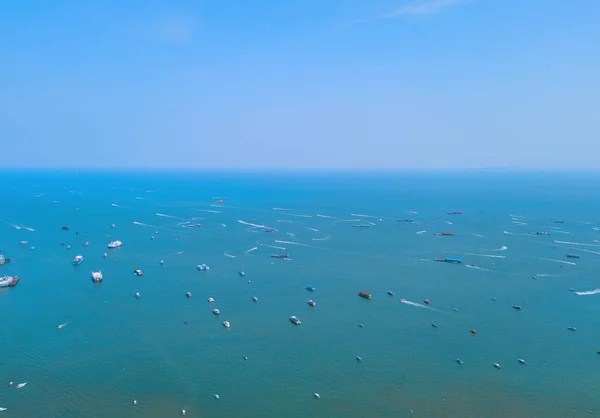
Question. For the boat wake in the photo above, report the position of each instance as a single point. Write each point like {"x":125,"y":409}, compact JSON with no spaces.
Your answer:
{"x":281,"y":209}
{"x":421,"y":232}
{"x":293,"y":243}
{"x":287,"y":221}
{"x":486,"y":255}
{"x":588,"y":292}
{"x":226,"y":254}
{"x":478,"y":235}
{"x":449,"y":223}
{"x":254,"y":225}
{"x":514,"y":233}
{"x":312,"y":229}
{"x":178,"y":253}
{"x":250,"y":250}
{"x":272,"y":246}
{"x":325,"y":216}
{"x":559,"y":261}
{"x":208,"y":210}
{"x":577,"y":243}
{"x":419,"y":305}
{"x":170,"y":216}
{"x":325,"y":238}
{"x":475,"y":267}
{"x":141,"y":224}
{"x":297,"y":215}
{"x":27,"y":228}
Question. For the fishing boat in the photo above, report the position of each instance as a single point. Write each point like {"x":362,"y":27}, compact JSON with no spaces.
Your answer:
{"x":8,"y":281}
{"x":77,"y":260}
{"x":211,"y":300}
{"x":115,"y":244}
{"x":427,"y":302}
{"x":97,"y":276}
{"x":312,"y":303}
{"x":295,"y":320}
{"x":449,"y":260}
{"x":364,"y":295}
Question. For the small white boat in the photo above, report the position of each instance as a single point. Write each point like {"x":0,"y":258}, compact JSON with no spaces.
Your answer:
{"x":496,"y":365}
{"x":104,"y":255}
{"x":138,"y":272}
{"x":61,"y":326}
{"x":23,"y":242}
{"x":77,"y":260}
{"x":211,"y":300}
{"x":522,"y":361}
{"x":115,"y":244}
{"x":137,"y":295}
{"x":189,"y":295}
{"x":295,"y":320}
{"x":3,"y":409}
{"x":255,"y":299}
{"x":216,"y":311}
{"x":202,"y":267}
{"x":183,"y":412}
{"x":226,"y":324}
{"x":21,"y":385}
{"x":97,"y":276}
{"x":68,"y":247}
{"x":317,"y":396}
{"x":162,"y":262}
{"x":312,"y":303}
{"x":113,"y":226}
{"x":217,"y":396}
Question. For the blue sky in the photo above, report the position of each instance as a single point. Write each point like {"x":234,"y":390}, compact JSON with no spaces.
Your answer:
{"x":300,"y":83}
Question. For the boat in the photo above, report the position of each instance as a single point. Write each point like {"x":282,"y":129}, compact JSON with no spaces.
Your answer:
{"x":361,"y":325}
{"x":405,"y":220}
{"x":459,"y":361}
{"x":113,"y":226}
{"x":242,"y":273}
{"x":359,"y":359}
{"x":572,"y":256}
{"x":310,"y":288}
{"x":104,"y":255}
{"x":285,"y":256}
{"x":434,"y":325}
{"x":255,"y":299}
{"x":77,"y":260}
{"x":317,"y":396}
{"x":450,"y":260}
{"x":295,"y":320}
{"x":23,"y":242}
{"x":453,"y":213}
{"x":572,"y":328}
{"x":390,"y":293}
{"x":202,"y":267}
{"x":115,"y":244}
{"x":65,"y":228}
{"x":21,"y":385}
{"x":312,"y":303}
{"x":226,"y":324}
{"x":3,"y":260}
{"x":138,"y":272}
{"x":3,"y":409}
{"x":97,"y":276}
{"x":364,"y":295}
{"x":216,"y":311}
{"x":211,"y":300}
{"x":427,"y":302}
{"x":522,"y":361}
{"x":517,"y":307}
{"x":68,"y":247}
{"x":496,"y":365}
{"x":137,"y":295}
{"x":61,"y":326}
{"x":268,"y":230}
{"x":162,"y":262}
{"x":361,"y":225}
{"x":189,"y":295}
{"x":8,"y":281}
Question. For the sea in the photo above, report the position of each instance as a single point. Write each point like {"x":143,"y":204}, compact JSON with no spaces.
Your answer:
{"x":343,"y":233}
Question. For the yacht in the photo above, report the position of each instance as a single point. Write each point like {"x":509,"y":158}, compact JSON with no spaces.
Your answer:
{"x":216,"y":311}
{"x":211,"y":300}
{"x":97,"y":276}
{"x":8,"y":281}
{"x":295,"y":320}
{"x":115,"y":244}
{"x":77,"y":260}
{"x":226,"y":324}
{"x":312,"y":303}
{"x":21,"y":385}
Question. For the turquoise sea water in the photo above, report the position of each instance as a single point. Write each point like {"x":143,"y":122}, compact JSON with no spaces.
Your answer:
{"x":115,"y":348}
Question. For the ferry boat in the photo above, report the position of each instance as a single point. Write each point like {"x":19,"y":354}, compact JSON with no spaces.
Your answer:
{"x":312,"y":303}
{"x":295,"y":320}
{"x":115,"y":244}
{"x":97,"y":276}
{"x":280,"y":256}
{"x":77,"y":260}
{"x":364,"y":295}
{"x":8,"y":281}
{"x":449,"y":260}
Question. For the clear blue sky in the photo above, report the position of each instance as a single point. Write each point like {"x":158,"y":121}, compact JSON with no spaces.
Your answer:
{"x":300,"y":83}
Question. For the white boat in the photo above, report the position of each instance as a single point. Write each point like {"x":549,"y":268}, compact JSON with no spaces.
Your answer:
{"x":202,"y":267}
{"x":77,"y":260}
{"x":61,"y":326}
{"x":317,"y":396}
{"x":255,"y":299}
{"x":115,"y":244}
{"x":295,"y":320}
{"x":2,"y":260}
{"x":138,"y":272}
{"x":216,"y":311}
{"x":137,"y":295}
{"x":312,"y":303}
{"x":211,"y":300}
{"x":496,"y":365}
{"x":226,"y":324}
{"x":97,"y":276}
{"x":8,"y":281}
{"x":3,"y":409}
{"x":104,"y":255}
{"x":189,"y":295}
{"x":113,"y":226}
{"x":21,"y":385}
{"x":23,"y":242}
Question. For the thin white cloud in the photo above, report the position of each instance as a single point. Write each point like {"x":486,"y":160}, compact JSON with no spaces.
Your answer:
{"x":424,"y":7}
{"x":177,"y":30}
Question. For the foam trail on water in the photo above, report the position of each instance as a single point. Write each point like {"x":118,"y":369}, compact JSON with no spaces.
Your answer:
{"x":421,"y":232}
{"x":519,"y":223}
{"x":513,"y":233}
{"x":291,"y":235}
{"x":115,"y":205}
{"x":177,"y":253}
{"x":486,"y":255}
{"x":273,"y":246}
{"x":449,"y":223}
{"x":291,"y":243}
{"x":589,"y":292}
{"x":322,"y":239}
{"x":282,"y":209}
{"x":477,"y":235}
{"x":516,"y":216}
{"x":418,"y":305}
{"x":559,"y":261}
{"x":142,"y":198}
{"x":208,"y":210}
{"x":583,"y":250}
{"x":476,"y":268}
{"x":577,"y":243}
{"x":170,"y":216}
{"x":312,"y":229}
{"x":358,"y":215}
{"x":140,"y":223}
{"x":412,"y":212}
{"x":27,"y":228}
{"x":226,"y":254}
{"x":285,"y":221}
{"x":325,"y":216}
{"x":254,"y":225}
{"x":297,"y":215}
{"x":223,"y":225}
{"x":347,"y":220}
{"x":250,"y":250}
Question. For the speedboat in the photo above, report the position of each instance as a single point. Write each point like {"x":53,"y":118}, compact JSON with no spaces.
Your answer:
{"x":496,"y":365}
{"x":3,"y":409}
{"x":138,"y":272}
{"x":317,"y":396}
{"x":137,"y":295}
{"x":23,"y":242}
{"x":8,"y":281}
{"x":211,"y":300}
{"x":226,"y":324}
{"x":310,"y":288}
{"x":312,"y":303}
{"x":521,"y":361}
{"x":77,"y":260}
{"x":459,"y":361}
{"x":572,"y":328}
{"x":295,"y":320}
{"x":427,"y":302}
{"x":113,"y":226}
{"x":255,"y":299}
{"x":434,"y":325}
{"x":216,"y":311}
{"x":359,"y":359}
{"x":189,"y":295}
{"x":21,"y":385}
{"x":68,"y":247}
{"x":115,"y":244}
{"x":517,"y":307}
{"x":390,"y":293}
{"x":97,"y":276}
{"x":202,"y":267}
{"x":242,"y":273}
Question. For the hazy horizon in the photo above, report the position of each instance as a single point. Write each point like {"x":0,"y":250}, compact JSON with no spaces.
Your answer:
{"x":343,"y":84}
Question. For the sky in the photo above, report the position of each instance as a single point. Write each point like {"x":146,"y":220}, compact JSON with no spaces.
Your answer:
{"x":309,"y":84}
